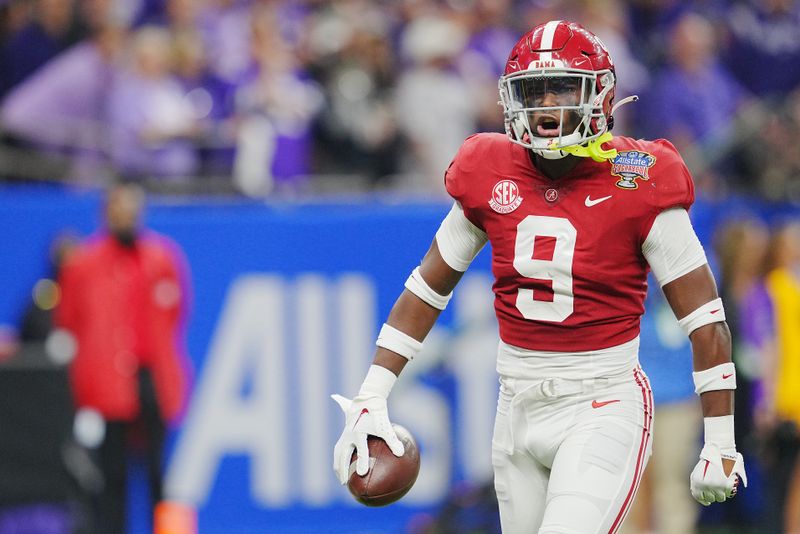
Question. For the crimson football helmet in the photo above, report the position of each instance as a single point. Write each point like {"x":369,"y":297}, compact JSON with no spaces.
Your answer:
{"x":557,"y":89}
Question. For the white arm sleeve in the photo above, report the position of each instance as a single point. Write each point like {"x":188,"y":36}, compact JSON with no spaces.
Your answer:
{"x":459,"y":240}
{"x":672,"y":248}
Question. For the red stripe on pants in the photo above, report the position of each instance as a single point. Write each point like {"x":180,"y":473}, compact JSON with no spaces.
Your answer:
{"x":647,"y":401}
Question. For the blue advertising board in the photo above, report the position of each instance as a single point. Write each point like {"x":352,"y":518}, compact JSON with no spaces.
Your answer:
{"x":287,"y":301}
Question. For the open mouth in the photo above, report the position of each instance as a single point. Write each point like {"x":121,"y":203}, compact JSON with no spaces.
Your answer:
{"x":548,"y":126}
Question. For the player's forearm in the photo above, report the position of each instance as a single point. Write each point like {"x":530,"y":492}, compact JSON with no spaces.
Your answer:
{"x":717,"y":403}
{"x":711,"y":346}
{"x":715,"y":378}
{"x":416,"y":310}
{"x":411,"y":316}
{"x":390,"y":360}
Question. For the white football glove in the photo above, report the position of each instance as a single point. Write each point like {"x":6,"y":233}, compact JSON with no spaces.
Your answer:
{"x":708,"y":481}
{"x":365,"y":415}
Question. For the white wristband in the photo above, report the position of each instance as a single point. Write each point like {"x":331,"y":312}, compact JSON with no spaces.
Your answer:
{"x":722,"y":376}
{"x":396,"y":341}
{"x":710,"y":312}
{"x":417,"y":285}
{"x":719,"y":431}
{"x":379,"y":381}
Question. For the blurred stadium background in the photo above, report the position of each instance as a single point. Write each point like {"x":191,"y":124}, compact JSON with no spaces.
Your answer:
{"x":295,"y":151}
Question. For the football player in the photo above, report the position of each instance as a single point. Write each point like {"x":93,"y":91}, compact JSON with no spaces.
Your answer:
{"x":576,"y":218}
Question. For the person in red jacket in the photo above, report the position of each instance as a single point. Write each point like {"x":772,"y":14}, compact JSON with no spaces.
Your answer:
{"x":124,"y":302}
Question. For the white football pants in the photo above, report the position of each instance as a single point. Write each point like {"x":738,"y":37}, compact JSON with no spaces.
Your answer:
{"x":568,"y":455}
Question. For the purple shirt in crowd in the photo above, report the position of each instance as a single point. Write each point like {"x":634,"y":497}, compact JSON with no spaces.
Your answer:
{"x":701,"y":105}
{"x":68,"y":93}
{"x":764,"y":49}
{"x":138,"y":105}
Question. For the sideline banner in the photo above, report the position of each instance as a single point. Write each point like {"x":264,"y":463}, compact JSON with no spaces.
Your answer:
{"x":287,"y":302}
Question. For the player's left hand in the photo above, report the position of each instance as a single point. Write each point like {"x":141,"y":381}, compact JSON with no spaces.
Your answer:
{"x":708,"y":481}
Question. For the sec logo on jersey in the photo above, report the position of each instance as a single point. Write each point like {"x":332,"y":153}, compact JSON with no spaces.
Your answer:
{"x":505,"y":197}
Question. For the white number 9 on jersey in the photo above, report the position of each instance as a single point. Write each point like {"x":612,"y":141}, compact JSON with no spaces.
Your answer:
{"x":557,"y":269}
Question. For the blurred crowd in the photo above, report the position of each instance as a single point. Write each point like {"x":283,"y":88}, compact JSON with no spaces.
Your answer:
{"x":299,"y":96}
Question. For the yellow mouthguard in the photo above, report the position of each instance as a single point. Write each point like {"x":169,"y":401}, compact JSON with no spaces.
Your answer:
{"x":593,"y":149}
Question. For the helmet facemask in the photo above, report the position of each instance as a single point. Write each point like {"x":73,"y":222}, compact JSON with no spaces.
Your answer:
{"x":548,"y":109}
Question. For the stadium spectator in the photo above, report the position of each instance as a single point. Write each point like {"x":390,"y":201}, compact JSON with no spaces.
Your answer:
{"x":741,"y":248}
{"x":652,"y":22}
{"x":212,"y":102}
{"x":781,"y":418}
{"x":693,"y":98}
{"x":491,"y":36}
{"x":619,"y":37}
{"x":740,"y":245}
{"x":178,"y":15}
{"x":226,"y":28}
{"x":14,"y":15}
{"x":152,"y":126}
{"x":51,"y":30}
{"x":124,"y":302}
{"x":763,"y":45}
{"x":276,"y":105}
{"x":357,"y":130}
{"x":61,"y":109}
{"x":433,"y":103}
{"x":772,"y":174}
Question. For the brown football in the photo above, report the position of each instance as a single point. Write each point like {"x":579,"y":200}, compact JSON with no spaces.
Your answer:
{"x":389,"y":477}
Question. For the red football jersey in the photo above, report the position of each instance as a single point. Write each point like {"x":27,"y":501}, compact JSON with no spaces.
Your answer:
{"x":567,"y":253}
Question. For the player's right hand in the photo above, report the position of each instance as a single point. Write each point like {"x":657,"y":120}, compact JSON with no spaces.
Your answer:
{"x":708,"y":481}
{"x":364,"y":415}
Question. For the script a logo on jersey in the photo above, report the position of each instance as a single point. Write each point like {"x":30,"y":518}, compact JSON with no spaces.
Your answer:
{"x":505,"y":197}
{"x":629,"y":166}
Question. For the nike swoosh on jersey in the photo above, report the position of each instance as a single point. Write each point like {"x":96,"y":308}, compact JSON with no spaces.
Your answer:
{"x":725,"y":377}
{"x":592,"y":202}
{"x":596,"y":404}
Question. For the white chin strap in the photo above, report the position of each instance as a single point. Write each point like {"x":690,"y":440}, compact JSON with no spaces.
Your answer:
{"x":549,"y":154}
{"x":539,"y":144}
